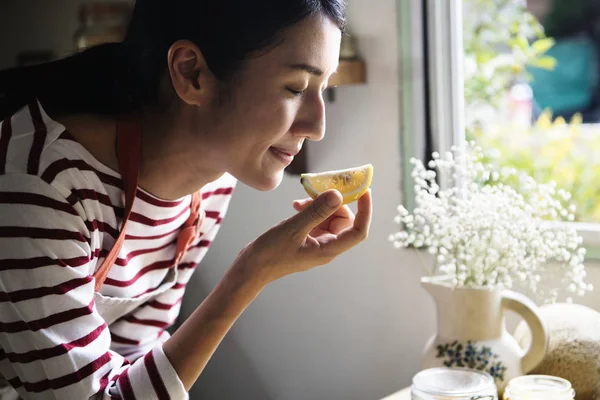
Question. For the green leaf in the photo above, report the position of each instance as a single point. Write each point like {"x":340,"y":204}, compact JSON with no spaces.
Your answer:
{"x":541,"y":46}
{"x":545,"y":62}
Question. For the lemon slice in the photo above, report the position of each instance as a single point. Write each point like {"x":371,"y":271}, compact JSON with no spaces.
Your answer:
{"x":351,"y":183}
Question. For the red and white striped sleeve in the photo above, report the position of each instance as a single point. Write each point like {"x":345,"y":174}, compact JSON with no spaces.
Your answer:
{"x":54,"y":344}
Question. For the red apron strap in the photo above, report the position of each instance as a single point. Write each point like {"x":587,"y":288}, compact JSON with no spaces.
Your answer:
{"x":129,"y":133}
{"x":189,"y":231}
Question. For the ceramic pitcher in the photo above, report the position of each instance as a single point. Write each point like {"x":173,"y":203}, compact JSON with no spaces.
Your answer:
{"x":471,"y":331}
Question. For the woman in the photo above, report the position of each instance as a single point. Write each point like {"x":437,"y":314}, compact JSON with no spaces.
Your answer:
{"x":116,"y":169}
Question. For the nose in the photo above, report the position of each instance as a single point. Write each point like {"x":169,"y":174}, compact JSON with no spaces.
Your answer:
{"x":310,"y":120}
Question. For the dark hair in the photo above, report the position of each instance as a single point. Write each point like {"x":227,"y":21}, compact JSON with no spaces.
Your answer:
{"x":119,"y":78}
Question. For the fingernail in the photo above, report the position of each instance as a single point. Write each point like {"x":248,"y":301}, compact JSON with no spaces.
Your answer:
{"x":333,"y":200}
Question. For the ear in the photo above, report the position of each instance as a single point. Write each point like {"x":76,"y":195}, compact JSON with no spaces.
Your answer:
{"x":190,"y":76}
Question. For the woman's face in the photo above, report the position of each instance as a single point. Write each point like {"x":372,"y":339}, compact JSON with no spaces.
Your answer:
{"x":276,"y":103}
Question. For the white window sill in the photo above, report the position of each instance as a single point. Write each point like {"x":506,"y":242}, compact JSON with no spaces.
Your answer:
{"x":591,"y":238}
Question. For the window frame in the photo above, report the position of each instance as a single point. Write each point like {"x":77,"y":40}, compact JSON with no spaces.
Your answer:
{"x":433,"y":30}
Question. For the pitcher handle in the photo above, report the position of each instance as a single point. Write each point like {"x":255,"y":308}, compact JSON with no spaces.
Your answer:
{"x":527,"y":309}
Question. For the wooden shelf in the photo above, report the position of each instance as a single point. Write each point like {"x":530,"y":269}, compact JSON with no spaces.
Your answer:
{"x":350,"y":72}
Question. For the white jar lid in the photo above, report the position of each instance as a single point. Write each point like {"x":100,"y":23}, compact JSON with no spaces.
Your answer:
{"x":540,"y":387}
{"x":457,"y":382}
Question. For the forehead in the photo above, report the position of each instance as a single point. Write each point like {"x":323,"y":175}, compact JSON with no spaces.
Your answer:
{"x":314,"y":40}
{"x":314,"y":34}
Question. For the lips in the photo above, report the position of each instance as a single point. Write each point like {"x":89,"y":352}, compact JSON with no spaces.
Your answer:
{"x":287,"y":152}
{"x":284,"y":156}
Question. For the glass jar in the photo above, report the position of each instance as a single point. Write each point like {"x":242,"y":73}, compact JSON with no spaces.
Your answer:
{"x":453,"y":384}
{"x":102,"y":23}
{"x":539,"y":387}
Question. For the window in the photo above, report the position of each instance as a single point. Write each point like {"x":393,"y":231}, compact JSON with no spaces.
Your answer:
{"x":432,"y":99}
{"x":492,"y":72}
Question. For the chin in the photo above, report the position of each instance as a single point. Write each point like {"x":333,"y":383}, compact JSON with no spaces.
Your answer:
{"x":264,"y":182}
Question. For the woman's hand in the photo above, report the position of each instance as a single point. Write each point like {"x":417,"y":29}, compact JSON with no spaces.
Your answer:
{"x":322,"y":230}
{"x":341,"y":219}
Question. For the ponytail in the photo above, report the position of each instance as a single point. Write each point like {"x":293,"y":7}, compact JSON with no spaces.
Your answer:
{"x":98,"y":80}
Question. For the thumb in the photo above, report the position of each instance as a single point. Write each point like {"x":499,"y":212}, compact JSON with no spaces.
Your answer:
{"x":317,"y":212}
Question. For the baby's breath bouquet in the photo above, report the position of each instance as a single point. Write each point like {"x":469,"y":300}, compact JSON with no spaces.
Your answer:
{"x":493,"y":227}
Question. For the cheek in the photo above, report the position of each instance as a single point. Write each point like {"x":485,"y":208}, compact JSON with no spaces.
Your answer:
{"x":271,"y":121}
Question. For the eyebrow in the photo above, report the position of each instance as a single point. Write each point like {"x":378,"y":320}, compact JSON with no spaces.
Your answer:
{"x":308,"y":68}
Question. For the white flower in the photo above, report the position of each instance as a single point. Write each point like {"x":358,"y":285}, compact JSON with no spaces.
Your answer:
{"x":402,"y":211}
{"x":491,"y":235}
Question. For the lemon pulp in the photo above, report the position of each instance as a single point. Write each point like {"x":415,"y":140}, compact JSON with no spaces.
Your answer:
{"x":352,"y":183}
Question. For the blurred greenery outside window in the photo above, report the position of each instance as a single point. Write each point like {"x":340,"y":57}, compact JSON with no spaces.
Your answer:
{"x":506,"y":49}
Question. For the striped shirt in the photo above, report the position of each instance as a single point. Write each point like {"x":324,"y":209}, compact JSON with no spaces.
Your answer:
{"x":61,"y":211}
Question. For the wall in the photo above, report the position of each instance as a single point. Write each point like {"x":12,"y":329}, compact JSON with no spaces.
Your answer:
{"x":37,"y":25}
{"x":355,"y":328}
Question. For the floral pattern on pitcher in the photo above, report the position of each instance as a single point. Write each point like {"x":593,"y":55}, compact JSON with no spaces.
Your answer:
{"x":469,"y":355}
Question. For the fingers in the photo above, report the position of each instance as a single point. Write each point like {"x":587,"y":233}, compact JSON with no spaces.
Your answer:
{"x":342,"y":219}
{"x":364,"y":214}
{"x":350,"y":237}
{"x":342,"y":212}
{"x":300,"y":205}
{"x":314,"y":213}
{"x":340,"y":224}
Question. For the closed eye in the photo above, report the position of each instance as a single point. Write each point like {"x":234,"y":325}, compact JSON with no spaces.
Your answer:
{"x":296,"y":92}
